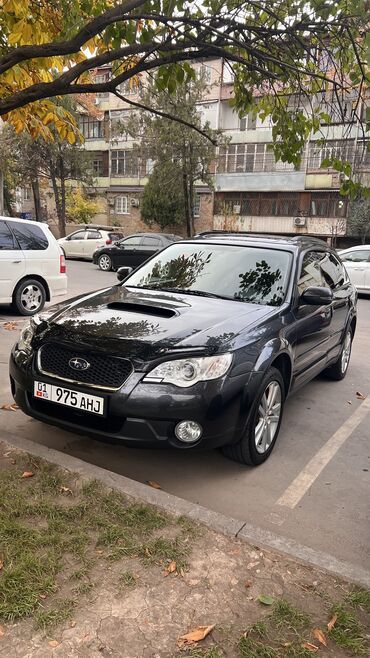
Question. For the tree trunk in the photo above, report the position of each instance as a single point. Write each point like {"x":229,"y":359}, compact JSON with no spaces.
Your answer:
{"x":61,"y":217}
{"x":8,"y":201}
{"x":191,"y":204}
{"x":62,"y":194}
{"x":36,"y":199}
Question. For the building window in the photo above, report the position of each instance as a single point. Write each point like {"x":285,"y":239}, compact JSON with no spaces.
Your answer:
{"x":97,"y":167}
{"x":204,"y":73}
{"x":100,"y":78}
{"x":196,"y":205}
{"x":327,"y":204}
{"x":124,"y":163}
{"x":121,"y":205}
{"x":341,"y":149}
{"x":240,"y":158}
{"x":117,"y":122}
{"x":91,"y":128}
{"x":129,"y":87}
{"x":26,"y":194}
{"x":243,"y":123}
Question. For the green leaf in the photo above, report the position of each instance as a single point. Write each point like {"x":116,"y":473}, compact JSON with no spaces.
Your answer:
{"x":265,"y":599}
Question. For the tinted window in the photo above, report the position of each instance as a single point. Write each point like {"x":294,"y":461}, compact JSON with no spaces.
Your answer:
{"x":115,"y":236}
{"x":93,"y":235}
{"x":320,"y":268}
{"x":6,"y":237}
{"x":80,"y":235}
{"x":29,"y":236}
{"x":151,"y":242}
{"x":243,"y":273}
{"x":356,"y":256}
{"x":131,"y":241}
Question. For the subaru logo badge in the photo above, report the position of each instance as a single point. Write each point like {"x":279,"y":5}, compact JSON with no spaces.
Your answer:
{"x":78,"y":364}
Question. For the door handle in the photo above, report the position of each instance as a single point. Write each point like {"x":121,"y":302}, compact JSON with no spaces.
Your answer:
{"x":17,"y":261}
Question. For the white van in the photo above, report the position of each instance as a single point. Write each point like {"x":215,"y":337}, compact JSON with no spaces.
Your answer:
{"x":32,"y":265}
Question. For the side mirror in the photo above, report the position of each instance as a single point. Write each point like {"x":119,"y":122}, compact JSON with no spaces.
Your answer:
{"x":316,"y":296}
{"x":123,"y":273}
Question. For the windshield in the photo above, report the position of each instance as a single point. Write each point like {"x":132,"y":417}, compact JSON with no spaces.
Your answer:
{"x":241,"y":273}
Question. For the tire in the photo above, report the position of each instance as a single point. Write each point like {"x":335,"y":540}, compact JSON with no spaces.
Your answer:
{"x":105,"y":262}
{"x":250,"y":449}
{"x":29,"y":297}
{"x":338,"y":370}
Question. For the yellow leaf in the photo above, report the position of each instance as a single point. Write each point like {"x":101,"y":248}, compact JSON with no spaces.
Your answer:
{"x":310,"y":647}
{"x":332,"y":622}
{"x":319,"y":635}
{"x":171,"y":568}
{"x":27,"y":474}
{"x":154,"y":484}
{"x":195,"y":635}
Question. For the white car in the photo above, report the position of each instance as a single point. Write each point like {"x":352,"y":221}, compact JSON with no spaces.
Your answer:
{"x":83,"y":243}
{"x":357,"y":264}
{"x":32,"y":265}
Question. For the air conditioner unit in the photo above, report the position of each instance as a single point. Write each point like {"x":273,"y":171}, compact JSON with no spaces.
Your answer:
{"x":300,"y":221}
{"x":134,"y":202}
{"x":236,"y":209}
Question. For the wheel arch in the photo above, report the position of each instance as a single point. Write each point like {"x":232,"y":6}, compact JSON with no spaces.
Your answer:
{"x":35,"y":277}
{"x":282,"y":362}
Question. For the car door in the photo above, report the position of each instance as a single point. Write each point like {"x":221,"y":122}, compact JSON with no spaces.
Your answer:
{"x":12,"y":262}
{"x":149,"y":246}
{"x":313,"y":323}
{"x":75,"y":245}
{"x":357,"y":264}
{"x":94,"y":240}
{"x":126,"y":252}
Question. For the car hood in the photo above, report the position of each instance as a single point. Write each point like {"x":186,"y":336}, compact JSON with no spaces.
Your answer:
{"x":146,"y":323}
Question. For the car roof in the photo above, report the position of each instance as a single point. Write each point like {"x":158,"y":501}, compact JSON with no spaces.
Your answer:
{"x":358,"y":247}
{"x":295,"y":242}
{"x":23,"y":221}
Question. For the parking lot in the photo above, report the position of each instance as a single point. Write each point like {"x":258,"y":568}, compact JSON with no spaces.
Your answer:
{"x":315,"y":487}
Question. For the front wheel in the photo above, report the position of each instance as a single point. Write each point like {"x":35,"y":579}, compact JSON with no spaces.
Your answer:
{"x":105,"y":262}
{"x":339,"y":369}
{"x":263,"y":426}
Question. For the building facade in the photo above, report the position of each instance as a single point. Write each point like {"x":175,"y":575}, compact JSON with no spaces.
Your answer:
{"x":252,"y":191}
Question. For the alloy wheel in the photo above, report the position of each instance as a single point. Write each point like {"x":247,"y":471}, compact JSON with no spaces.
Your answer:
{"x":31,"y":298}
{"x":105,"y":263}
{"x":268,"y":417}
{"x":346,"y":352}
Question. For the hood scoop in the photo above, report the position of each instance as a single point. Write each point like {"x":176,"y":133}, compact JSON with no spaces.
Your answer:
{"x":144,"y":309}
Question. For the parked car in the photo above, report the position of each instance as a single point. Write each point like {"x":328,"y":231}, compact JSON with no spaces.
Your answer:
{"x":198,"y":348}
{"x":83,"y":243}
{"x":132,"y":251}
{"x":32,"y":266}
{"x":357,"y":264}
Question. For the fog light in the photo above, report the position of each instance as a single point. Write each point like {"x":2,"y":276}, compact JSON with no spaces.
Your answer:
{"x":188,"y":431}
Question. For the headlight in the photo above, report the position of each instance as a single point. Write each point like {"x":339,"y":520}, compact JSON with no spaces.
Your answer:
{"x":186,"y":372}
{"x":27,"y":333}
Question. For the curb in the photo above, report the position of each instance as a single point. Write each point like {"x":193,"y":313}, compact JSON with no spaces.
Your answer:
{"x":213,"y":520}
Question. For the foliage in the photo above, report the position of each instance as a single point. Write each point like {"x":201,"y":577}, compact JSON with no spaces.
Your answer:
{"x":79,"y":208}
{"x":358,"y":222}
{"x":163,"y":197}
{"x":315,"y":49}
{"x":183,"y":155}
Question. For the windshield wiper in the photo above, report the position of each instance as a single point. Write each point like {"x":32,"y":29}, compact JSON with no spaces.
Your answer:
{"x":187,"y":291}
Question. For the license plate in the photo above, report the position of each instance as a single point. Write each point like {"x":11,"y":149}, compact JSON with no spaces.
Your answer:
{"x":82,"y":401}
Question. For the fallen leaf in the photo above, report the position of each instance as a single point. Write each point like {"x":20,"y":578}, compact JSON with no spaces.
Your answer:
{"x":319,"y":635}
{"x":43,"y":596}
{"x":10,"y":326}
{"x":72,"y":623}
{"x":27,"y":474}
{"x":310,"y":647}
{"x":53,"y":643}
{"x":154,"y":484}
{"x":2,"y":631}
{"x":1,"y":563}
{"x":66,"y":490}
{"x":332,"y":622}
{"x":171,"y":568}
{"x":250,"y":565}
{"x":265,"y":599}
{"x":194,"y":636}
{"x":248,"y":584}
{"x":360,"y":396}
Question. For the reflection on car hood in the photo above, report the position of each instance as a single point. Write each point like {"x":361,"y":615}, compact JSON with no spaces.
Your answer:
{"x":144,"y":323}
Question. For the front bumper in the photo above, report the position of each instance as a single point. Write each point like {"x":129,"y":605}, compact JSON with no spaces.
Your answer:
{"x":143,"y":414}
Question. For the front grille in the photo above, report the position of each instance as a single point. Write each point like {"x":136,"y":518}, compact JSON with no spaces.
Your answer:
{"x":104,"y":371}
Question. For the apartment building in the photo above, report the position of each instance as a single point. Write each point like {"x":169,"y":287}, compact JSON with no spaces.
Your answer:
{"x":252,"y":191}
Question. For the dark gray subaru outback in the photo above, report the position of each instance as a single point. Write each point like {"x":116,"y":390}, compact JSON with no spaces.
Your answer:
{"x":197,"y":348}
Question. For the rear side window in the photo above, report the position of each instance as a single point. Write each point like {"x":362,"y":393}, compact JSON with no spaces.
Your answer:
{"x":152,"y":242}
{"x":30,"y":237}
{"x":115,"y":236}
{"x":93,"y":235}
{"x":6,"y":237}
{"x":356,"y":256}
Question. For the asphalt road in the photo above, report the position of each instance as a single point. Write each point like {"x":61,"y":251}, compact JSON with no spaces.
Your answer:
{"x":314,"y":488}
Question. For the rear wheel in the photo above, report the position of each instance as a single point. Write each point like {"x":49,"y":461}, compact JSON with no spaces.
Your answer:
{"x":262,"y":429}
{"x":29,"y":297}
{"x":105,"y":262}
{"x":339,"y":369}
